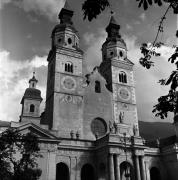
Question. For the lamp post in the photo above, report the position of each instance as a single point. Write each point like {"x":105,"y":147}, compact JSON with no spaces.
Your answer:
{"x":127,"y":173}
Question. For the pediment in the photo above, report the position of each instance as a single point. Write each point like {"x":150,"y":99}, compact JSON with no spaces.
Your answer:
{"x":37,"y":130}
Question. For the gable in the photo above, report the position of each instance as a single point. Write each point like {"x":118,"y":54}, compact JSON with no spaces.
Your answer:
{"x":38,"y":131}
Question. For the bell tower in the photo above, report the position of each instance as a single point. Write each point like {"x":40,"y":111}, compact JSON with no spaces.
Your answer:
{"x":64,"y":97}
{"x":117,"y":69}
{"x":31,"y":103}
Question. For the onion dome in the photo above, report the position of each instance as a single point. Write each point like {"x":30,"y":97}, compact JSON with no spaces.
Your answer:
{"x":32,"y":92}
{"x":114,"y":37}
{"x":65,"y":17}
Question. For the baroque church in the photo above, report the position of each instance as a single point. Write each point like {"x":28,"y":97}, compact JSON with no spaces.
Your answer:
{"x":89,"y":129}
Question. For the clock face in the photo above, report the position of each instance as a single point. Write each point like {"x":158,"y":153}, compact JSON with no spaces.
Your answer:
{"x":124,"y":93}
{"x":68,"y":83}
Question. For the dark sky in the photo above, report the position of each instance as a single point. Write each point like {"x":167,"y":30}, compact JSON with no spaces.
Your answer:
{"x":25,"y":30}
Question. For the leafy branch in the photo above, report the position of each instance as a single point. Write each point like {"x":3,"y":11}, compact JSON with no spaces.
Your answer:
{"x":18,"y":155}
{"x":92,"y":8}
{"x":149,"y":51}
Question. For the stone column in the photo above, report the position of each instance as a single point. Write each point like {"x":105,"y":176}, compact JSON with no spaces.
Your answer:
{"x":111,"y":167}
{"x":117,"y":167}
{"x":51,"y":165}
{"x":137,"y":167}
{"x":142,"y":168}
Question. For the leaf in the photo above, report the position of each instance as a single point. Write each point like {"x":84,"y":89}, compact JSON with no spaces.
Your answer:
{"x":150,"y":2}
{"x":145,"y":5}
{"x":162,"y":81}
{"x":173,"y":57}
{"x":170,"y":77}
{"x":92,"y":8}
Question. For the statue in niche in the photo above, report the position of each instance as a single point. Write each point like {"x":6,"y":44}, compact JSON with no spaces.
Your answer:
{"x":110,"y":126}
{"x":121,"y":117}
{"x":135,"y":130}
{"x":113,"y":127}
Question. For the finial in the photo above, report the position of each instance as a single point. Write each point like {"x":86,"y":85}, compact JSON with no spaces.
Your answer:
{"x":33,"y":78}
{"x":33,"y":73}
{"x":112,"y":20}
{"x":112,"y":13}
{"x":66,"y":5}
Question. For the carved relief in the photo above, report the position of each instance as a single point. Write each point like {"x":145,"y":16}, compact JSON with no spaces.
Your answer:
{"x":70,"y":99}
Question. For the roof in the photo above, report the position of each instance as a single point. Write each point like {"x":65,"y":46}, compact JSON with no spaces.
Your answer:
{"x":66,"y":6}
{"x":113,"y":21}
{"x":62,"y":27}
{"x":4,"y":124}
{"x":32,"y":93}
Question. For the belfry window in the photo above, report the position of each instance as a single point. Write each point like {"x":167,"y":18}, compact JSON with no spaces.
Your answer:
{"x":68,"y":67}
{"x":122,"y":77}
{"x":97,"y":87}
{"x":32,"y":108}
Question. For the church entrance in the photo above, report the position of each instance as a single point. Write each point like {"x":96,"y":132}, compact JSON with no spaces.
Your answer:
{"x":155,"y":174}
{"x":126,"y":171}
{"x":87,"y":172}
{"x":62,"y":171}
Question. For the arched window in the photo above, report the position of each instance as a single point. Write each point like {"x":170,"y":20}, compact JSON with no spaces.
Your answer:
{"x":122,"y":77}
{"x":97,"y":87}
{"x":32,"y":108}
{"x":62,"y":171}
{"x":126,"y":171}
{"x":155,"y":174}
{"x":68,"y":67}
{"x":98,"y":127}
{"x":87,"y":172}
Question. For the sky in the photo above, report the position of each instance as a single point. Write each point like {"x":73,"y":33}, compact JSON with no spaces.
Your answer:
{"x":25,"y":30}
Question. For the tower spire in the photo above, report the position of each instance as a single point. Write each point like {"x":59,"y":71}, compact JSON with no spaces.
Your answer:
{"x":113,"y":28}
{"x":66,"y":14}
{"x":33,"y":81}
{"x":66,"y":6}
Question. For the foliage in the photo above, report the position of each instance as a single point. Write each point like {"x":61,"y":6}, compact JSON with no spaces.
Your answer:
{"x":146,"y":3}
{"x":92,"y":8}
{"x":18,"y":154}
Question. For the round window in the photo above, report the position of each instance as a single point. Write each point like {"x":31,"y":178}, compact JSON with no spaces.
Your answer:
{"x":69,"y":40}
{"x":111,"y":53}
{"x":98,"y":127}
{"x":59,"y":40}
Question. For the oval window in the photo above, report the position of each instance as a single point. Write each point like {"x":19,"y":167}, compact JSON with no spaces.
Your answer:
{"x":59,"y":40}
{"x":111,"y":53}
{"x":121,"y":53}
{"x":69,"y":40}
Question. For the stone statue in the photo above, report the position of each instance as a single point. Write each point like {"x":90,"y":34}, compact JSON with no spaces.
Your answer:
{"x":135,"y":130}
{"x":121,"y":117}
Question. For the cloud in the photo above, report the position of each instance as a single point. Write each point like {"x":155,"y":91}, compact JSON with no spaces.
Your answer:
{"x":147,"y":88}
{"x":48,"y":8}
{"x":3,"y":2}
{"x":93,"y":54}
{"x":142,"y":16}
{"x":14,"y":78}
{"x":129,"y":27}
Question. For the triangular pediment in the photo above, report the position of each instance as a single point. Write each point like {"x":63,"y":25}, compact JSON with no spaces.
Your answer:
{"x":37,"y":130}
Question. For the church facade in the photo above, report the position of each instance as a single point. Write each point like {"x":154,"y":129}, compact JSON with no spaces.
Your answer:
{"x":89,"y":129}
